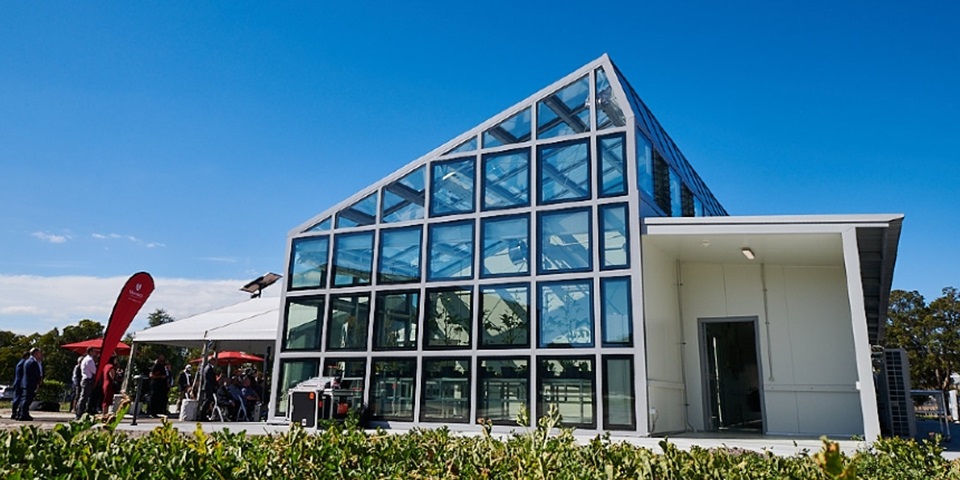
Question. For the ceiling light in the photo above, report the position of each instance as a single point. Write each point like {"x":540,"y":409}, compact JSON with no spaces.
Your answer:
{"x":748,"y":253}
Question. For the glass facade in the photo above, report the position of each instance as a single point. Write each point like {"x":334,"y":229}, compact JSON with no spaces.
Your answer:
{"x":495,"y":276}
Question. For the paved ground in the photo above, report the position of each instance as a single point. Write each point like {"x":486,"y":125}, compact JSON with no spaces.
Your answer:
{"x":777,"y":445}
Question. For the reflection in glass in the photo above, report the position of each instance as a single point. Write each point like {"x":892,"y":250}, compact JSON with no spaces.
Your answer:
{"x":616,"y":324}
{"x":506,"y":179}
{"x":467,"y":146}
{"x":618,"y":395}
{"x":403,"y":199}
{"x":448,"y":318}
{"x":503,"y":388}
{"x":566,"y":112}
{"x":399,"y":255}
{"x":452,"y":187}
{"x":686,"y":200}
{"x":451,"y":251}
{"x":661,"y":183}
{"x":505,"y":246}
{"x":609,"y":113}
{"x":644,"y":164}
{"x":504,"y":316}
{"x":308,"y":263}
{"x":612,"y":151}
{"x":353,"y":259}
{"x":347,"y":326}
{"x":515,"y":129}
{"x":395,"y":322}
{"x":364,"y":212}
{"x":347,"y":369}
{"x":565,"y":241}
{"x":566,"y":314}
{"x":293,"y":372}
{"x":614,"y":248}
{"x":676,"y":202}
{"x":322,"y":226}
{"x":392,"y":389}
{"x":564,"y":172}
{"x":446,"y":390}
{"x":697,"y":207}
{"x":302,"y":325}
{"x":568,"y":383}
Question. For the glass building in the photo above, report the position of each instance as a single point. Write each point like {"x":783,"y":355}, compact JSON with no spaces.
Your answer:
{"x":502,"y":271}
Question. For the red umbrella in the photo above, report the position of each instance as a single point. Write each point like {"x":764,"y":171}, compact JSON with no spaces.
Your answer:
{"x":81,"y":347}
{"x":232,"y":358}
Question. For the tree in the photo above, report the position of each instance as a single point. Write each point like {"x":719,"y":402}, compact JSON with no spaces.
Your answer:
{"x":929,"y":333}
{"x":147,"y":353}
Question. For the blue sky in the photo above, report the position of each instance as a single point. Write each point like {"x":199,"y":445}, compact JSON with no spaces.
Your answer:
{"x":186,"y":139}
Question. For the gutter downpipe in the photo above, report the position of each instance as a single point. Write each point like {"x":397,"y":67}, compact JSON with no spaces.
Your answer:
{"x":766,"y":319}
{"x":683,"y":345}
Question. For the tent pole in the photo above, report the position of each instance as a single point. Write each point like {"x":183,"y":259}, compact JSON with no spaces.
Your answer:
{"x":126,"y":373}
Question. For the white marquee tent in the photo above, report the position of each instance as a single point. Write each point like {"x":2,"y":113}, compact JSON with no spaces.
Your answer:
{"x":249,"y":326}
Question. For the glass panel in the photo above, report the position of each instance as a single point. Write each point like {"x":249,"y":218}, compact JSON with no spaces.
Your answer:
{"x":676,"y":202}
{"x":644,"y":164}
{"x":323,"y":226}
{"x":448,"y":318}
{"x":359,"y":214}
{"x":609,"y":113}
{"x":612,"y":166}
{"x":505,"y":246}
{"x":392,"y":389}
{"x":568,"y":383}
{"x":505,"y":319}
{"x":468,"y":146}
{"x":452,"y":187}
{"x":566,"y":314}
{"x":308,"y":264}
{"x":451,"y":251}
{"x":293,"y":372}
{"x":564,"y":172}
{"x":618,"y":394}
{"x":395,"y":323}
{"x":515,"y":129}
{"x":697,"y":207}
{"x":566,"y":112}
{"x":446,"y":390}
{"x":616,"y":324}
{"x":353,"y":259}
{"x":400,"y":255}
{"x":565,"y":241}
{"x":661,"y":183}
{"x":403,"y":199}
{"x":614,"y":248}
{"x":686,"y":200}
{"x":503,"y":389}
{"x":347,"y":327}
{"x":352,"y":373}
{"x":506,"y":179}
{"x":302,"y":326}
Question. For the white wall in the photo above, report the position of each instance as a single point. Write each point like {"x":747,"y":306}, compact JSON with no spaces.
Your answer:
{"x":663,"y":341}
{"x":808,"y":365}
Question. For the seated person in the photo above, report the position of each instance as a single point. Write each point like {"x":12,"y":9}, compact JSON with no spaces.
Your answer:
{"x":228,"y":404}
{"x":249,"y":395}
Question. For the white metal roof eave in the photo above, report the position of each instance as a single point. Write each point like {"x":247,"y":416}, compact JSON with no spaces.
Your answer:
{"x":792,"y":224}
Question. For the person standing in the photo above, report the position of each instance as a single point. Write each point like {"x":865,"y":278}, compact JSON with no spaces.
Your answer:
{"x":109,"y":384}
{"x":32,"y":377}
{"x":17,"y":389}
{"x":158,"y":388}
{"x":208,"y":389}
{"x":88,"y":373}
{"x":76,"y":378}
{"x":184,"y":380}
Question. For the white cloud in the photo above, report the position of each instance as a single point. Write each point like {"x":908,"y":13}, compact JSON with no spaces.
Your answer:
{"x":38,"y":304}
{"x":131,"y":238}
{"x":50,"y":237}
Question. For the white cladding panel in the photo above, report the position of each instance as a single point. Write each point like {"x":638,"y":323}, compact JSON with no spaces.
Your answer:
{"x":807,"y":359}
{"x":663,"y":341}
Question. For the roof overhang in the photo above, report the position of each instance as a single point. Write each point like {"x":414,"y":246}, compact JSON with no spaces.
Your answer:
{"x":810,"y":240}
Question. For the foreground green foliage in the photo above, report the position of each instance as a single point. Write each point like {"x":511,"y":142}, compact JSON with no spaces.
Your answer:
{"x":85,"y":449}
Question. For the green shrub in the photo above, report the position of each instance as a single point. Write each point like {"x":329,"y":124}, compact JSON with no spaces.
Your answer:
{"x":50,"y":391}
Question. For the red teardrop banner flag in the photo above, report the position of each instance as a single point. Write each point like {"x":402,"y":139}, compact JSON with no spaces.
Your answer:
{"x":134,"y":294}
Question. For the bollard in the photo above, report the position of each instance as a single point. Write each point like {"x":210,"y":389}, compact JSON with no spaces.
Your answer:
{"x":136,"y":398}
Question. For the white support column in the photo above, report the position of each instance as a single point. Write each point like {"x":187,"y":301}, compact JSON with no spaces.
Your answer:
{"x":861,"y":339}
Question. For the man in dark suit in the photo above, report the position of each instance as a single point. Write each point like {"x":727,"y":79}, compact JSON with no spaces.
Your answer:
{"x":32,"y":376}
{"x":17,"y":389}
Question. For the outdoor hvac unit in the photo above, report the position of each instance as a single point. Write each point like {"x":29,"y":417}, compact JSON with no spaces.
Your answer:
{"x":896,"y":404}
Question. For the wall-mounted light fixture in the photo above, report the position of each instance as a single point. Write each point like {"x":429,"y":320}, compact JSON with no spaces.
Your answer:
{"x":748,"y":253}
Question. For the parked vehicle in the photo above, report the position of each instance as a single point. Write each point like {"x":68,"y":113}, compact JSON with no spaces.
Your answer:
{"x":6,"y":392}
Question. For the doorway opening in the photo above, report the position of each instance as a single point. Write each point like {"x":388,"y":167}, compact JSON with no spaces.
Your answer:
{"x":730,"y":364}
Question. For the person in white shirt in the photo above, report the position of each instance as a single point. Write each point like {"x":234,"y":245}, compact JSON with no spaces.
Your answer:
{"x":88,"y":372}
